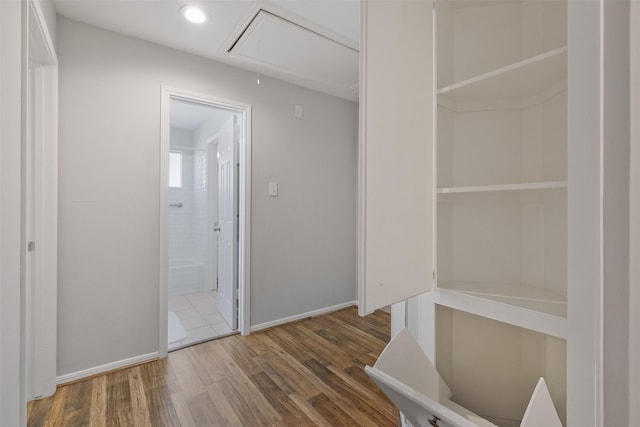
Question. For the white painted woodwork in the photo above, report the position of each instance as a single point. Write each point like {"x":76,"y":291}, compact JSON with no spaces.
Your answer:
{"x":498,"y":239}
{"x":502,"y":203}
{"x":504,"y":187}
{"x":30,"y":187}
{"x":405,"y":373}
{"x":543,"y":317}
{"x":512,"y":359}
{"x":523,"y":197}
{"x":276,"y":43}
{"x":212,"y":218}
{"x":507,"y":290}
{"x":585,"y":232}
{"x":228,"y":222}
{"x":513,"y":242}
{"x":531,"y":297}
{"x":242,"y":132}
{"x":506,"y":83}
{"x":12,"y":404}
{"x":494,"y":34}
{"x":540,"y":411}
{"x":396,"y":142}
{"x":41,"y":207}
{"x":501,"y":191}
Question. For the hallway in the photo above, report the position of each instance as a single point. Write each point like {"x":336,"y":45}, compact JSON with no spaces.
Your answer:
{"x":304,"y":373}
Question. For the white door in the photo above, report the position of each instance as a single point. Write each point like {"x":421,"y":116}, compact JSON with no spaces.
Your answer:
{"x":30,"y":231}
{"x":40,"y":231}
{"x":395,"y":260}
{"x":228,"y":223}
{"x":212,"y":203}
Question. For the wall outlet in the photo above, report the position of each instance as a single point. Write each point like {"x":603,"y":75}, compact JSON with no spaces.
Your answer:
{"x":298,"y":111}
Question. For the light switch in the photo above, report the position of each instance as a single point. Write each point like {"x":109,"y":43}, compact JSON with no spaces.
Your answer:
{"x":298,"y":111}
{"x":273,"y":189}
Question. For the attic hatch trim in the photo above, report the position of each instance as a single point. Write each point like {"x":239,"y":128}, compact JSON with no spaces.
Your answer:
{"x":251,"y":21}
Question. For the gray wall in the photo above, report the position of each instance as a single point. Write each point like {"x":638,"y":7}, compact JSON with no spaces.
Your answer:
{"x":303,"y":242}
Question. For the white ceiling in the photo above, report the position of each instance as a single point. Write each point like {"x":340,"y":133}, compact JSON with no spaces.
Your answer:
{"x":312,"y":43}
{"x":191,"y":115}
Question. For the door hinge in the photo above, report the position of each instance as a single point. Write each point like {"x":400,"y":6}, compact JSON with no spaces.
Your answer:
{"x":31,"y":246}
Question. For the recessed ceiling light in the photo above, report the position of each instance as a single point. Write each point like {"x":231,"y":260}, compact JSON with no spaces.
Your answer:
{"x":194,"y":14}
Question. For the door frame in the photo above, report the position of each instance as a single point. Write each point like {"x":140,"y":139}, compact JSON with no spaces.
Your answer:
{"x":13,"y":408}
{"x":167,"y":94}
{"x":40,"y":208}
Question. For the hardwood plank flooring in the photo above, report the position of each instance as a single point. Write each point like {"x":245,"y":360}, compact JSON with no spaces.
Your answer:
{"x":307,"y":373}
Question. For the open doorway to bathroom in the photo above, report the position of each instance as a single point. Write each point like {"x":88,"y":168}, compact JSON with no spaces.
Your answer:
{"x":204,"y":220}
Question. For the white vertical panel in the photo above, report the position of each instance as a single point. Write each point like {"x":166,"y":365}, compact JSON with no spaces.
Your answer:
{"x":228,"y":222}
{"x":396,"y":152}
{"x":584,"y":281}
{"x":41,"y":288}
{"x":12,"y":402}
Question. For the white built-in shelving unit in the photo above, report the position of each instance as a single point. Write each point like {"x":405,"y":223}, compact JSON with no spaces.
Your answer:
{"x":540,"y":72}
{"x":481,"y":195}
{"x":501,"y":225}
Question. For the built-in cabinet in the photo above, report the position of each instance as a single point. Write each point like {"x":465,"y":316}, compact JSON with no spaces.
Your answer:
{"x":396,"y":182}
{"x":496,"y":315}
{"x":501,"y":154}
{"x":501,"y":227}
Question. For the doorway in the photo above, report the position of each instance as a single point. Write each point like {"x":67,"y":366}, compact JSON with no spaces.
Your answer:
{"x":204,"y":226}
{"x":40,"y":208}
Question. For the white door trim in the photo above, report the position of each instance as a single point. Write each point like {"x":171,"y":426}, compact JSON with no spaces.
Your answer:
{"x":13,"y":408}
{"x":168,"y":93}
{"x":42,"y":226}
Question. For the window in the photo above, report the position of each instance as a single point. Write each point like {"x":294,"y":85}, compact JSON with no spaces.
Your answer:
{"x":175,"y":169}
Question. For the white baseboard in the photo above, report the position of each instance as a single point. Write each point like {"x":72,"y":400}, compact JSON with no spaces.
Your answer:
{"x":75,"y":376}
{"x":255,"y":328}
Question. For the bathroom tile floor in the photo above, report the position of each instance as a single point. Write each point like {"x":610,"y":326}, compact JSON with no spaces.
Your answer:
{"x":198,"y":313}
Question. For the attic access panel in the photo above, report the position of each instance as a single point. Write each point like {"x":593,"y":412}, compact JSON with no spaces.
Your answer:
{"x":279,"y":44}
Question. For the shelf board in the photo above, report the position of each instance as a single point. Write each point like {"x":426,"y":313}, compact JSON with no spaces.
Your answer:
{"x":525,"y":306}
{"x":516,"y":291}
{"x":520,"y":80}
{"x":504,"y":187}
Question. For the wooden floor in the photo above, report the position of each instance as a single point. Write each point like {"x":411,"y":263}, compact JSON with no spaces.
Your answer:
{"x":302,"y":374}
